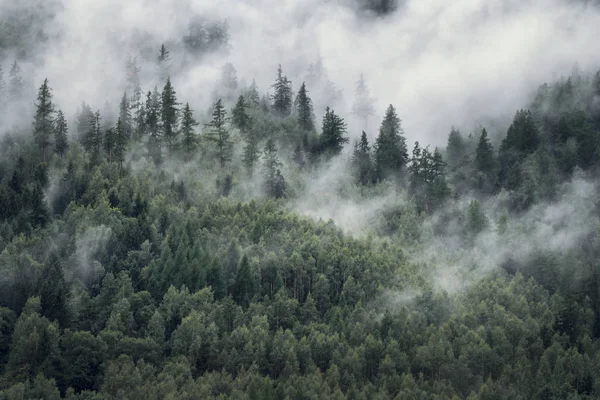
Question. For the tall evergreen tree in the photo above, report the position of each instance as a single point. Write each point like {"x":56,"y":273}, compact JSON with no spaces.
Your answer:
{"x":229,"y":80}
{"x":164,"y":56}
{"x":83,"y":121}
{"x":251,"y":153}
{"x":125,"y":115}
{"x":456,"y":148}
{"x":136,"y":101}
{"x":274,"y":181}
{"x":240,"y":117}
{"x":391,"y":154}
{"x":219,"y":135}
{"x":253,"y":96}
{"x":189,"y":140}
{"x":110,"y":143}
{"x":363,"y":102}
{"x":282,"y":95}
{"x":121,"y":142}
{"x":485,"y":162}
{"x":44,"y":121}
{"x":54,"y":293}
{"x":152,"y":125}
{"x":332,"y":137}
{"x":362,"y":164}
{"x":93,"y":141}
{"x":61,"y":143}
{"x":16,"y":85}
{"x":299,"y":157}
{"x":169,"y":115}
{"x":304,"y":109}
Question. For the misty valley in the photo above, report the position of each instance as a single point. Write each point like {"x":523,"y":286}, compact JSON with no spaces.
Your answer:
{"x":353,"y":199}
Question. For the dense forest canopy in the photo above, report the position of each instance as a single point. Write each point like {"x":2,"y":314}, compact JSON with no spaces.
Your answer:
{"x":175,"y":222}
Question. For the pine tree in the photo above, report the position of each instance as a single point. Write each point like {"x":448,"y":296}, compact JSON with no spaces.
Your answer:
{"x":54,"y":292}
{"x":456,"y":148}
{"x":332,"y":137}
{"x":163,"y":63}
{"x":361,"y":161}
{"x":125,"y":115}
{"x":251,"y":153}
{"x":219,"y":134}
{"x":169,"y":115}
{"x":44,"y":122}
{"x":274,"y":182}
{"x":229,"y":80}
{"x":121,"y":143}
{"x":83,"y":121}
{"x":391,"y":154}
{"x":61,"y":143}
{"x":16,"y":86}
{"x":304,"y":109}
{"x":93,"y":141}
{"x":110,"y":143}
{"x":363,"y":103}
{"x":485,"y":162}
{"x":253,"y":95}
{"x":152,"y":124}
{"x":136,"y":101}
{"x":240,"y":117}
{"x":189,"y":139}
{"x":282,"y":96}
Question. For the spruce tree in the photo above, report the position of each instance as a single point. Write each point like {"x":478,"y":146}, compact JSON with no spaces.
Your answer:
{"x":16,"y":86}
{"x":152,"y":125}
{"x":304,"y":109}
{"x":282,"y":96}
{"x":93,"y":141}
{"x":391,"y":154}
{"x":125,"y":115}
{"x":251,"y":153}
{"x":189,"y":139}
{"x":83,"y":121}
{"x":253,"y":96}
{"x":332,"y":137}
{"x":484,"y":157}
{"x":240,"y":117}
{"x":456,"y":148}
{"x":363,"y":103}
{"x":362,"y":164}
{"x":169,"y":115}
{"x":44,"y":121}
{"x":135,"y":101}
{"x":54,"y":291}
{"x":110,"y":143}
{"x":274,"y":182}
{"x":219,"y":135}
{"x":121,"y":143}
{"x":61,"y":143}
{"x":164,"y":56}
{"x":229,"y":80}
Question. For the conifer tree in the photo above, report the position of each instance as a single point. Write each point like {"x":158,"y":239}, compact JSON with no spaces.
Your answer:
{"x":253,"y":96}
{"x":189,"y":140}
{"x":61,"y":143}
{"x":485,"y":162}
{"x":332,"y":137}
{"x":229,"y":80}
{"x":121,"y":142}
{"x":125,"y":115}
{"x":169,"y":115}
{"x":16,"y":86}
{"x":110,"y":143}
{"x":240,"y":117}
{"x":152,"y":124}
{"x":164,"y":56}
{"x":54,"y":292}
{"x":282,"y":96}
{"x":363,"y":103}
{"x":219,"y":135}
{"x":84,"y":119}
{"x":251,"y":153}
{"x":361,"y":161}
{"x":391,"y":154}
{"x":134,"y":87}
{"x":44,"y":121}
{"x":299,"y":157}
{"x":304,"y":109}
{"x":456,"y":148}
{"x":93,"y":141}
{"x":274,"y":181}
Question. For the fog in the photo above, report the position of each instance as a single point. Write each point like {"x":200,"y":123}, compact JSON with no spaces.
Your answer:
{"x":439,"y":63}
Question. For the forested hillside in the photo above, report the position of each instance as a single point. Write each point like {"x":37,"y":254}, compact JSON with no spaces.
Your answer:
{"x":266,"y":247}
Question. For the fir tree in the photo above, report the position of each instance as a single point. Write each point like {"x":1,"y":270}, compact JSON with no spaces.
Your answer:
{"x":251,"y":153}
{"x":93,"y":140}
{"x":83,"y":121}
{"x":282,"y":96}
{"x":125,"y":115}
{"x":16,"y":86}
{"x":274,"y":182}
{"x":332,"y":137}
{"x":240,"y":117}
{"x":253,"y":95}
{"x":110,"y":143}
{"x":456,"y":148}
{"x":152,"y":124}
{"x":169,"y":115}
{"x":61,"y":143}
{"x":304,"y":109}
{"x":54,"y":292}
{"x":44,"y":122}
{"x":121,"y":142}
{"x":391,"y":154}
{"x":219,"y":135}
{"x":135,"y":101}
{"x":164,"y":56}
{"x":189,"y":139}
{"x":361,"y":161}
{"x":363,"y":103}
{"x":485,"y":162}
{"x":229,"y":80}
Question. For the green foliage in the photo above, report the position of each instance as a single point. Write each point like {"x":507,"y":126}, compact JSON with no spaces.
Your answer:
{"x":391,"y":154}
{"x":219,"y":135}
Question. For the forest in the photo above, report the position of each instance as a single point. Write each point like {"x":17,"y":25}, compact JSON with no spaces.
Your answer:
{"x":154,"y":248}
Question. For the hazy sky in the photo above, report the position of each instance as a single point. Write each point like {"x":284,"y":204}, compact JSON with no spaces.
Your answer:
{"x":440,"y":63}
